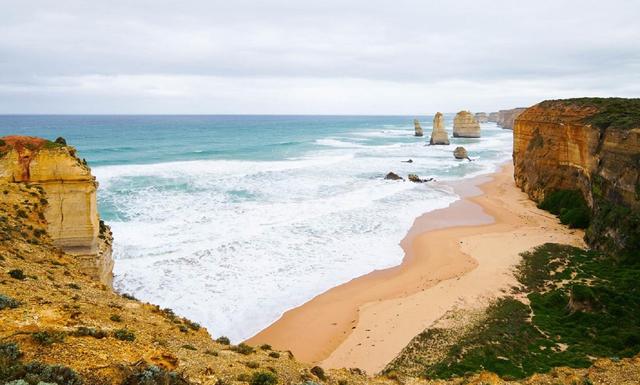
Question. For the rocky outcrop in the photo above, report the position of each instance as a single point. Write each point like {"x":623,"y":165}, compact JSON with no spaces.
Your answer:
{"x":465,"y":125}
{"x":461,"y":153}
{"x":439,"y":133}
{"x":493,"y":117}
{"x":393,"y":176}
{"x":482,"y":117}
{"x":506,"y":118}
{"x":591,"y":145}
{"x":417,"y":128}
{"x":71,"y":210}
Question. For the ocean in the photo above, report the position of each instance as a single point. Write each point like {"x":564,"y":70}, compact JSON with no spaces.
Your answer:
{"x":232,"y":220}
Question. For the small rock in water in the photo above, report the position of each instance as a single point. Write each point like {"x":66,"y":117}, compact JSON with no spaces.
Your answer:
{"x":408,"y":161}
{"x":393,"y":176}
{"x":416,"y":179}
{"x":461,"y":153}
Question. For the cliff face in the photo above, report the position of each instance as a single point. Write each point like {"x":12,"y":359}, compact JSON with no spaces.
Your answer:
{"x":70,"y":191}
{"x":556,"y":147}
{"x":465,"y":125}
{"x":506,"y":118}
{"x":482,"y":117}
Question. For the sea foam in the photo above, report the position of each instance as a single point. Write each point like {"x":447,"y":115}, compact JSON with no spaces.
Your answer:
{"x":232,"y":244}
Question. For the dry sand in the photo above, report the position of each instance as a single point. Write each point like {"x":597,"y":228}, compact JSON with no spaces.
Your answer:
{"x":457,"y":257}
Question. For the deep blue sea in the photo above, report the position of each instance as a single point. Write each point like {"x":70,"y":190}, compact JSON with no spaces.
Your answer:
{"x":232,"y":220}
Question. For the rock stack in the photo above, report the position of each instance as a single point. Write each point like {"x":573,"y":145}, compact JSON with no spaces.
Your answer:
{"x":493,"y":117}
{"x":439,"y":134}
{"x":418,"y":128}
{"x":465,"y":125}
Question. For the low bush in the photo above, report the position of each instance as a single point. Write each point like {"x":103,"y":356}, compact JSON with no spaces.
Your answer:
{"x":115,"y":318}
{"x":243,"y":348}
{"x":124,"y":335}
{"x":154,"y":375}
{"x":8,"y":302}
{"x":49,"y":337}
{"x":84,"y":331}
{"x":263,"y":378}
{"x":17,"y":274}
{"x":274,"y":354}
{"x":318,"y":372}
{"x":223,"y":340}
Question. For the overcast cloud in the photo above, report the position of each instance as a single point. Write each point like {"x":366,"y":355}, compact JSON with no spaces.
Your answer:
{"x":324,"y":57}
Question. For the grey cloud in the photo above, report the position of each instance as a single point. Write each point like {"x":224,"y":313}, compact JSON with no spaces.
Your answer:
{"x":587,"y":45}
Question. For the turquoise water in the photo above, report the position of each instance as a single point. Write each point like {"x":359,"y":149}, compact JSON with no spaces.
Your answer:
{"x":232,"y":220}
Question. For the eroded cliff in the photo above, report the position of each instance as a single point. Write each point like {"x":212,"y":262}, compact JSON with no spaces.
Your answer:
{"x":591,"y":145}
{"x":506,"y":118}
{"x":70,"y":192}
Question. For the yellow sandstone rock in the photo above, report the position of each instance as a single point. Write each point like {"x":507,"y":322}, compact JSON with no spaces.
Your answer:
{"x":71,"y":211}
{"x":439,"y":133}
{"x":465,"y":125}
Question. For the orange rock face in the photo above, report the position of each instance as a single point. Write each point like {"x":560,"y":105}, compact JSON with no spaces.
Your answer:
{"x":554,"y":148}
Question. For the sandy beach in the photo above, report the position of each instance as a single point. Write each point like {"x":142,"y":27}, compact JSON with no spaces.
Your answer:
{"x":455,"y":258}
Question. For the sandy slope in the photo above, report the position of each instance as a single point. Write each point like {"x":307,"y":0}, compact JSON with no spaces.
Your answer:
{"x":455,"y":257}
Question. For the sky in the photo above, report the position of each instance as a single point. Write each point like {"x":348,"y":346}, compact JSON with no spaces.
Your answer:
{"x":312,"y":57}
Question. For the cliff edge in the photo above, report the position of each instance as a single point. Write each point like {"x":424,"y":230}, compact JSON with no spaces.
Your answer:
{"x":591,"y":145}
{"x":70,"y":193}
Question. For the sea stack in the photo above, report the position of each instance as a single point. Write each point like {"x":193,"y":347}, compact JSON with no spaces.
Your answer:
{"x":69,"y":194}
{"x":507,"y":118}
{"x":418,"y":128}
{"x":493,"y":117}
{"x":439,"y":134}
{"x":465,"y":125}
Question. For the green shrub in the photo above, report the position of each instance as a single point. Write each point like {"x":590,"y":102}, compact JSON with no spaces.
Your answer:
{"x":243,"y":348}
{"x":569,"y":206}
{"x":115,"y":318}
{"x":274,"y":354}
{"x":124,"y":335}
{"x":48,"y":337}
{"x":223,"y":340}
{"x":17,"y":274}
{"x":318,"y":372}
{"x":84,"y":331}
{"x":263,"y":378}
{"x":252,"y":364}
{"x":154,"y":375}
{"x":189,"y":347}
{"x":8,"y":302}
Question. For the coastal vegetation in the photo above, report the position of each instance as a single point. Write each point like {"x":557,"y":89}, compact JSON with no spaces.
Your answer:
{"x":622,"y":113}
{"x":579,"y":306}
{"x":569,"y":206}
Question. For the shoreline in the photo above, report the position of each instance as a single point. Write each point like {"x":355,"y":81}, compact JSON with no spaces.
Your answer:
{"x":450,"y":262}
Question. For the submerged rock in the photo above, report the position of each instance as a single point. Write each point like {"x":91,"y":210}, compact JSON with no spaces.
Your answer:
{"x":461,"y":153}
{"x":417,"y":127}
{"x":408,"y":161}
{"x":465,"y":125}
{"x":439,"y":133}
{"x":393,"y":176}
{"x":416,"y":179}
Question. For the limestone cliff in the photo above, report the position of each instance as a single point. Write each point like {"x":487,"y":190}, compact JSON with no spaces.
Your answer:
{"x":493,"y":117}
{"x":591,"y":145}
{"x":506,"y":118}
{"x":482,"y":117}
{"x":417,"y":127}
{"x":439,"y":133}
{"x":465,"y":125}
{"x":70,"y":191}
